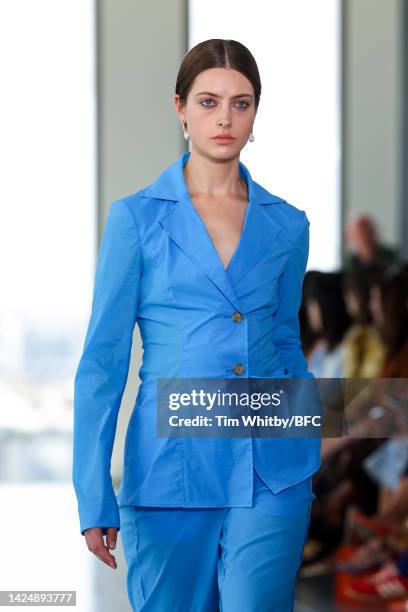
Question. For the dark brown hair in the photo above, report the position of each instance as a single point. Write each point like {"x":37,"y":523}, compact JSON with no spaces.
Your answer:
{"x":394,"y":299}
{"x":326,"y":289}
{"x":217,"y":53}
{"x":359,"y":281}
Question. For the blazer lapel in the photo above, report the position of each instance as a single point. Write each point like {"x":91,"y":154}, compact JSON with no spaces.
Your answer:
{"x":185,"y":227}
{"x":259,"y":235}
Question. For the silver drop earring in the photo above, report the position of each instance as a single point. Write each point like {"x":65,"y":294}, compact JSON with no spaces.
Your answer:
{"x":186,"y":135}
{"x":251,"y":137}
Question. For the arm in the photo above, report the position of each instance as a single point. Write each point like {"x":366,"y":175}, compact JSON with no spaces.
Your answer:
{"x":287,"y":328}
{"x":102,"y":372}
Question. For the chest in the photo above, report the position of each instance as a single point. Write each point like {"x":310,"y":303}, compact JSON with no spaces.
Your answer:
{"x":223,"y":219}
{"x":180,"y":259}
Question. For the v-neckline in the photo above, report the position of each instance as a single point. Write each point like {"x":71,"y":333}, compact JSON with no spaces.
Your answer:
{"x":243,"y":229}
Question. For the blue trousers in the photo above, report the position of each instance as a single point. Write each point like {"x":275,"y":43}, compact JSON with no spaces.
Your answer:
{"x":217,"y":559}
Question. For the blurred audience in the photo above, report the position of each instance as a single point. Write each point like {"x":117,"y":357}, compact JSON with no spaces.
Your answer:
{"x":355,"y":326}
{"x":363,"y":246}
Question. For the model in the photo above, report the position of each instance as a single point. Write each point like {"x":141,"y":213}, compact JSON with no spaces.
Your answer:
{"x":210,"y":266}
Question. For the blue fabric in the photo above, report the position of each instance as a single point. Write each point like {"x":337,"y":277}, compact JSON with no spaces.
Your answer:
{"x":158,"y":268}
{"x":218,"y":559}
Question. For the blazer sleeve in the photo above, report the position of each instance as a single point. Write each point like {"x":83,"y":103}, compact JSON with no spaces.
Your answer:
{"x":102,"y":371}
{"x":287,"y":327}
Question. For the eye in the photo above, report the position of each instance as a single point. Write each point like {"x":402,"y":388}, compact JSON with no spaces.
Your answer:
{"x":205,"y":105}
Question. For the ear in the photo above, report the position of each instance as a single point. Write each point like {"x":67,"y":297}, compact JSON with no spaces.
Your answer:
{"x":179,"y":106}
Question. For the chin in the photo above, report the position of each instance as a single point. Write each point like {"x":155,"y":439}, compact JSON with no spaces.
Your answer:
{"x":229,"y":150}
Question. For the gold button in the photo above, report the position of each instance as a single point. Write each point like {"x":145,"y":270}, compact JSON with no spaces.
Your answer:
{"x":237,"y":316}
{"x":238,"y":368}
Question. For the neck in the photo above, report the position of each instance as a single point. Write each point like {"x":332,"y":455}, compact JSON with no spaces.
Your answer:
{"x":214,"y":178}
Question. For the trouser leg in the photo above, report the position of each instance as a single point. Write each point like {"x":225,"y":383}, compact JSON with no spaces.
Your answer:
{"x":211,"y":559}
{"x":172,"y":556}
{"x":261,"y":553}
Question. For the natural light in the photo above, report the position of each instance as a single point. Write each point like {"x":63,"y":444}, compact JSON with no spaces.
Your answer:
{"x":296,"y":153}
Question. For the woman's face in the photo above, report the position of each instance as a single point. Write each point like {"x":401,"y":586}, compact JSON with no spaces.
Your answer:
{"x":352,"y":303}
{"x":375,"y":306}
{"x":314,"y":315}
{"x":221,"y":100}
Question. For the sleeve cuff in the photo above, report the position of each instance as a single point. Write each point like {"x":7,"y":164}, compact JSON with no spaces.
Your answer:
{"x":99,"y":515}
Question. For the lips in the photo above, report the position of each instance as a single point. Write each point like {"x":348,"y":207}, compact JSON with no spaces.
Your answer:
{"x":223,"y":137}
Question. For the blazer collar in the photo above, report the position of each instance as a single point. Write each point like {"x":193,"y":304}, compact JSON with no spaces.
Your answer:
{"x":170,"y":184}
{"x":185,"y":227}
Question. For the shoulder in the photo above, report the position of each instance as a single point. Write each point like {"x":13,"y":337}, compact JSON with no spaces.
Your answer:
{"x":294,"y":219}
{"x":290,"y":218}
{"x":143,"y":208}
{"x":136,"y":201}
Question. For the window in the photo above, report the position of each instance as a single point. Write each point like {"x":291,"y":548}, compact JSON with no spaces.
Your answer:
{"x":296,"y":153}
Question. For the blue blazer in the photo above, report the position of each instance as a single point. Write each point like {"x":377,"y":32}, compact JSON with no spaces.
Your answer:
{"x":158,"y":267}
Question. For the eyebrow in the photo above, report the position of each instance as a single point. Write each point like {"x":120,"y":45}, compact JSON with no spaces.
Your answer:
{"x":209,"y":93}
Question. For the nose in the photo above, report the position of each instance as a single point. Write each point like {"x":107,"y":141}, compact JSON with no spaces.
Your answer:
{"x":224,"y":117}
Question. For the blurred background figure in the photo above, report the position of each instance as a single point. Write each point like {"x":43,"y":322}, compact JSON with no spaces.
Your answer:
{"x":389,"y":308}
{"x":363,"y":349}
{"x":364,"y":247}
{"x":328,"y":319}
